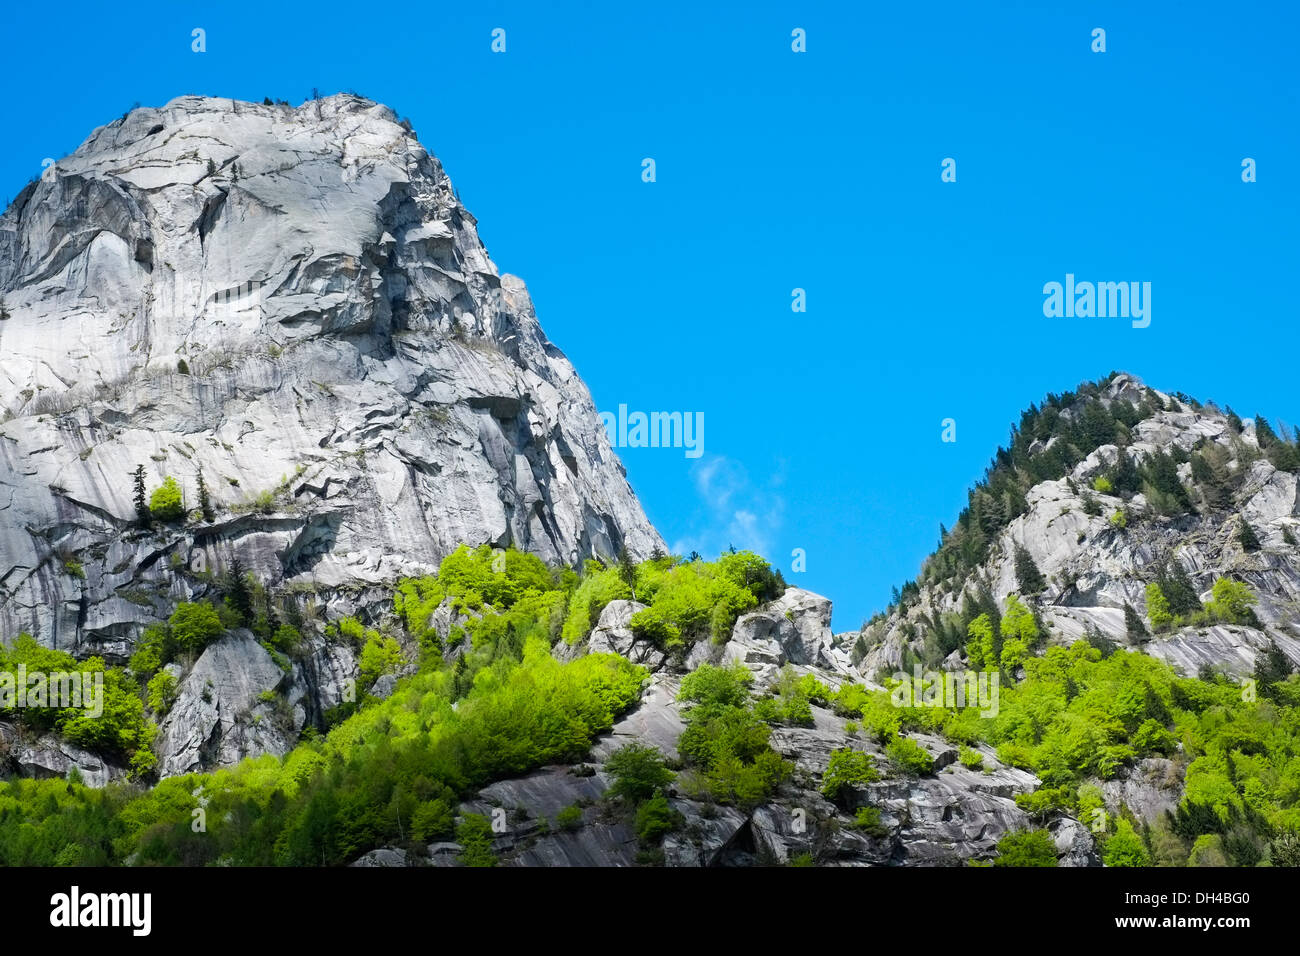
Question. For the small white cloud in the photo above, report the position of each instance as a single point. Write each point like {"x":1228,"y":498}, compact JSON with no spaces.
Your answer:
{"x":735,"y":511}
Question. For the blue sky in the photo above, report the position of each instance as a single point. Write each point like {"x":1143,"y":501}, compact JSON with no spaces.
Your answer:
{"x":777,"y":171}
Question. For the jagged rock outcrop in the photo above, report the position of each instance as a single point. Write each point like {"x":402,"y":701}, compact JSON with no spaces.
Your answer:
{"x":794,"y":629}
{"x":48,"y":755}
{"x":295,"y":302}
{"x":613,"y":635}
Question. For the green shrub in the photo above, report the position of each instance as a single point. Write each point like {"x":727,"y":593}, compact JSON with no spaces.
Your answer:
{"x":868,"y":821}
{"x":1125,"y":847}
{"x":711,"y":686}
{"x":570,"y":818}
{"x":971,"y":759}
{"x":1232,"y":602}
{"x":725,"y":741}
{"x":655,"y":818}
{"x":474,"y":834}
{"x":696,"y":600}
{"x":381,"y":655}
{"x":598,"y":587}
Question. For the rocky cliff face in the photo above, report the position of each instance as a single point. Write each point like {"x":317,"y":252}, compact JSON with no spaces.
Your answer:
{"x":295,"y":302}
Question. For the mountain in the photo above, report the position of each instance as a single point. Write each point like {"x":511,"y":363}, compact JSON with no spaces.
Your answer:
{"x":294,"y":304}
{"x":1104,"y":492}
{"x":292,"y":468}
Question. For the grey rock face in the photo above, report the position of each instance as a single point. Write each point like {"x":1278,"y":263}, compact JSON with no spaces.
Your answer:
{"x":613,"y":635}
{"x":793,"y":629}
{"x":1075,"y":845}
{"x":1148,"y":789}
{"x":294,"y":301}
{"x":219,"y":717}
{"x":50,"y":756}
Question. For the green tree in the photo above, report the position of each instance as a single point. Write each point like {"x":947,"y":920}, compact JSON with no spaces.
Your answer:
{"x":638,"y":772}
{"x":1232,"y":601}
{"x":475,"y":837}
{"x":194,"y":625}
{"x":1158,"y":608}
{"x":1271,"y":666}
{"x":1028,"y":577}
{"x":1137,"y":631}
{"x":143,"y":516}
{"x":1018,"y":621}
{"x":1285,"y":848}
{"x":982,"y":649}
{"x":166,"y":502}
{"x":239,"y":597}
{"x":205,"y":502}
{"x":1246,"y":537}
{"x":162,"y":692}
{"x":380,"y":655}
{"x":848,"y":769}
{"x":1125,"y":847}
{"x":910,"y":757}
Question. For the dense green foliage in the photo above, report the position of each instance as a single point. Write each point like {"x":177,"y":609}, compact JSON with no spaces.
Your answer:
{"x":847,"y":770}
{"x":725,"y":743}
{"x":166,"y":503}
{"x":694,"y":600}
{"x":1026,"y":848}
{"x":498,"y":704}
{"x":1172,"y":603}
{"x":391,"y":773}
{"x":121,"y":730}
{"x":638,"y":771}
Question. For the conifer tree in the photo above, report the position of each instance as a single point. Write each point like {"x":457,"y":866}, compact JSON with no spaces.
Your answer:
{"x":1028,"y":576}
{"x":205,"y":503}
{"x":1137,"y":631}
{"x":238,"y":596}
{"x":1177,"y":588}
{"x":627,"y":570}
{"x":1246,"y":535}
{"x":142,"y":513}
